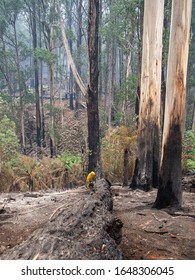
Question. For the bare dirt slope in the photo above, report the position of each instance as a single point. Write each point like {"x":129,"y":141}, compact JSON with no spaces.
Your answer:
{"x":89,"y":230}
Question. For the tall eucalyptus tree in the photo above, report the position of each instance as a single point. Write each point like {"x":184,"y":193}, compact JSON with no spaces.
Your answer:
{"x":169,"y":191}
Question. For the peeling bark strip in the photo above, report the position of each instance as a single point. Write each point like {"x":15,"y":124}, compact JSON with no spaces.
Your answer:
{"x":169,"y":193}
{"x":149,"y":111}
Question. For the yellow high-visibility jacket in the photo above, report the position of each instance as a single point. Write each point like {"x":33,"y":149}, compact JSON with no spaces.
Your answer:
{"x":90,"y":177}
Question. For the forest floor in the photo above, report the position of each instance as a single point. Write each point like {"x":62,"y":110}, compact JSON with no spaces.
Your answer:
{"x":147,"y":233}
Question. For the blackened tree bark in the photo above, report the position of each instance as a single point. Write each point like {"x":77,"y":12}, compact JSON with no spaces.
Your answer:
{"x":100,"y":53}
{"x":169,"y":192}
{"x":52,"y":103}
{"x":92,"y":101}
{"x":125,"y":167}
{"x":149,"y":109}
{"x":69,"y":9}
{"x":41,"y":83}
{"x":36,"y":74}
{"x":166,"y":30}
{"x":32,"y":8}
{"x":140,"y":37}
{"x":79,"y":45}
{"x":134,"y":182}
{"x":21,"y":84}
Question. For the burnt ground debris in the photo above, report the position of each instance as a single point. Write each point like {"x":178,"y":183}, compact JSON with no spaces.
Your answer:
{"x":75,"y":224}
{"x":112,"y":223}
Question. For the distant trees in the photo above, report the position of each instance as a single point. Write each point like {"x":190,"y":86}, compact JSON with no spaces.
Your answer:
{"x":33,"y":19}
{"x":9,"y":142}
{"x":93,"y":51}
{"x":190,"y":102}
{"x":17,"y":52}
{"x":91,"y":91}
{"x":71,"y":61}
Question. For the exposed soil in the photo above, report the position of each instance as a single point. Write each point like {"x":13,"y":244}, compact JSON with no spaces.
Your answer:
{"x":154,"y":234}
{"x":76,"y":224}
{"x":147,"y":233}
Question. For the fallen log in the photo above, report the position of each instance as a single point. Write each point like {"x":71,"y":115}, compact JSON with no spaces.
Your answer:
{"x":83,"y":228}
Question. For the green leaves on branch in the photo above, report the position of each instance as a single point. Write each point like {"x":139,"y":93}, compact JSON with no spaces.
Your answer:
{"x":45,"y":56}
{"x":9,"y":142}
{"x":188,"y":158}
{"x":69,"y":160}
{"x":127,"y":89}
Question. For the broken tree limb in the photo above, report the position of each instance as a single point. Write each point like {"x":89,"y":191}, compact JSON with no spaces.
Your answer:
{"x":75,"y":73}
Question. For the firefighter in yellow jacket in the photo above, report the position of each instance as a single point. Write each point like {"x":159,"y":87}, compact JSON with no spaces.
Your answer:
{"x":90,"y":180}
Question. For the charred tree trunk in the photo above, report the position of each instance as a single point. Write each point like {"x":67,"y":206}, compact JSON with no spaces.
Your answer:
{"x":111,"y":82}
{"x":92,"y":102}
{"x":166,"y":29}
{"x":22,"y":88}
{"x":139,"y":34}
{"x":106,"y":75}
{"x":69,"y":7}
{"x":149,"y":109}
{"x":169,"y":192}
{"x":79,"y":44}
{"x":100,"y":54}
{"x":43,"y":144}
{"x":125,"y":167}
{"x":163,"y":95}
{"x":36,"y":76}
{"x":52,"y":132}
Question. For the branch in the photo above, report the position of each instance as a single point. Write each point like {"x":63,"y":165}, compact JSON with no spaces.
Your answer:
{"x":69,"y":55}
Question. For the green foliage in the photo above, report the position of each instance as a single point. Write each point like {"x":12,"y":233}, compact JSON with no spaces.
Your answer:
{"x":4,"y":109}
{"x":127,"y":89}
{"x":70,"y":35}
{"x":119,"y":118}
{"x":28,"y":96}
{"x":125,"y":100}
{"x":4,"y":100}
{"x":120,"y":21}
{"x":115,"y":142}
{"x":190,"y":98}
{"x":45,"y":56}
{"x":191,"y":165}
{"x":69,"y":160}
{"x":188,"y":158}
{"x":9,"y":142}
